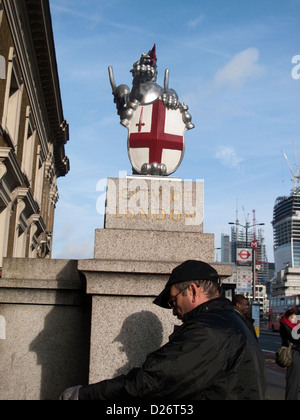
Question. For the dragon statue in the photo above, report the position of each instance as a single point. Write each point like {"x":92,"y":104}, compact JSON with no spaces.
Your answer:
{"x":146,"y":91}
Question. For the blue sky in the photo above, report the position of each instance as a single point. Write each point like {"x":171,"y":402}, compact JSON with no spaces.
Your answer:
{"x":230,"y":62}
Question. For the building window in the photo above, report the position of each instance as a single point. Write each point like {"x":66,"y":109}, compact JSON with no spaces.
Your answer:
{"x":2,"y":59}
{"x":4,"y":231}
{"x":28,"y":149}
{"x":1,"y":13}
{"x":13,"y":100}
{"x":2,"y":67}
{"x":39,"y":177}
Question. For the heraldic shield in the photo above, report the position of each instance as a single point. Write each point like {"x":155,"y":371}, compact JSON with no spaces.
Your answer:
{"x":156,"y":139}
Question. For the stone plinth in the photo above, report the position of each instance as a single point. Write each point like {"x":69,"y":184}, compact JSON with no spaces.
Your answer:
{"x":152,"y":225}
{"x":153,"y":245}
{"x":154,"y":203}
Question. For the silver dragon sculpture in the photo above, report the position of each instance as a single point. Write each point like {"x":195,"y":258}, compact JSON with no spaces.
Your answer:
{"x":145,"y":90}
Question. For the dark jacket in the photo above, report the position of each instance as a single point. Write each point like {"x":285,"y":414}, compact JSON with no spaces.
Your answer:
{"x":248,"y":321}
{"x":212,"y":356}
{"x":287,"y":338}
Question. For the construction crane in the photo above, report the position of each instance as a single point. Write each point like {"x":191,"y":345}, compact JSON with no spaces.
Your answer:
{"x":254,"y":226}
{"x":296,"y":175}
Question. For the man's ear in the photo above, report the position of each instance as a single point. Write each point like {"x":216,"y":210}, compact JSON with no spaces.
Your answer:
{"x":194,"y":290}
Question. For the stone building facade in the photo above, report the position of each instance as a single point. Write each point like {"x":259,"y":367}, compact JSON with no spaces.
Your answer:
{"x":33,"y":130}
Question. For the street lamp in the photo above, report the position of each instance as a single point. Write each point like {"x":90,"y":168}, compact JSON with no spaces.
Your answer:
{"x":255,"y":306}
{"x":246,"y":227}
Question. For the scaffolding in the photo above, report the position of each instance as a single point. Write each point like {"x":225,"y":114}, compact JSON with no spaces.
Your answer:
{"x":242,"y":239}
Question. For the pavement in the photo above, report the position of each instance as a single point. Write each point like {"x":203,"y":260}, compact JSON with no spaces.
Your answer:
{"x":275,"y":378}
{"x":275,"y":374}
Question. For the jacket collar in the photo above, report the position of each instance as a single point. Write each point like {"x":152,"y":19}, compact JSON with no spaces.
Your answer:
{"x":219,"y":303}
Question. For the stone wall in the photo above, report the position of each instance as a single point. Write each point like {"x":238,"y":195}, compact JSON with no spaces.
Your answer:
{"x":45,"y":313}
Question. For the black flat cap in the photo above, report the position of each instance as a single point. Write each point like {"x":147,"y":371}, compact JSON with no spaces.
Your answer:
{"x":190,"y":270}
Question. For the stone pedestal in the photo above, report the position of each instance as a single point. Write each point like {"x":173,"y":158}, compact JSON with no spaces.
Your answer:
{"x":151,"y":226}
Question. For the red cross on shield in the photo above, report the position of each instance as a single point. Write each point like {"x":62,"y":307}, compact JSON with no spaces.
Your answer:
{"x":156,"y":134}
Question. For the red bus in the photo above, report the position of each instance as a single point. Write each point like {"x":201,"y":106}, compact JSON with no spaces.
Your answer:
{"x":278,"y":306}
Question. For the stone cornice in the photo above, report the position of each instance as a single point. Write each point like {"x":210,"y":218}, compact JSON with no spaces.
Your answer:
{"x":8,"y":158}
{"x":31,"y":27}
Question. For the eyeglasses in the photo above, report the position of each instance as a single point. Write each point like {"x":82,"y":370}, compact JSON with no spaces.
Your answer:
{"x":171,"y":302}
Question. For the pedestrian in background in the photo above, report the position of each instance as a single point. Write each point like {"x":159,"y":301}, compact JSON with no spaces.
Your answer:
{"x":241,"y":307}
{"x":288,"y":323}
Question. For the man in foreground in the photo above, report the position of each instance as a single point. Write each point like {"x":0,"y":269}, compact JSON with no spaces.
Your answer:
{"x":212,"y":356}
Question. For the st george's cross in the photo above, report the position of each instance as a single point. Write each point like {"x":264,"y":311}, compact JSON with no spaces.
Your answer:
{"x":156,"y":135}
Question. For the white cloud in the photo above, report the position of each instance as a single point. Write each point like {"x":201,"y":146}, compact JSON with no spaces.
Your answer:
{"x":228,"y":157}
{"x":94,"y":18}
{"x":76,"y":13}
{"x":74,"y":229}
{"x":79,"y":249}
{"x":241,"y":67}
{"x":195,"y":22}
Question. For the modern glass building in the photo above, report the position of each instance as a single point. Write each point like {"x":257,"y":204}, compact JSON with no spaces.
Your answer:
{"x":286,"y":227}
